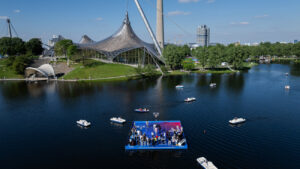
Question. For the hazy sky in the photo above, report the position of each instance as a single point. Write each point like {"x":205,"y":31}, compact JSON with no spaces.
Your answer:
{"x":229,"y":20}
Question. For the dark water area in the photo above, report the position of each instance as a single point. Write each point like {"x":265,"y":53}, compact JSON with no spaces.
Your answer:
{"x":38,"y":129}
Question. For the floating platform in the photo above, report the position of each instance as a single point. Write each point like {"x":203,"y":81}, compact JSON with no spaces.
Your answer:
{"x":156,"y":135}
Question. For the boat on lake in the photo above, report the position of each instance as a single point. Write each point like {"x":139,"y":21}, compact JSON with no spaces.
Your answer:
{"x":286,"y":74}
{"x":206,"y":164}
{"x":179,"y":87}
{"x":83,"y":123}
{"x":142,"y":110}
{"x":117,"y":120}
{"x":213,"y":85}
{"x":190,"y":99}
{"x":237,"y":120}
{"x":287,"y":87}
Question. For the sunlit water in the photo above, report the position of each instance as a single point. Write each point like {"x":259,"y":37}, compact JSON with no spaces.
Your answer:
{"x":38,"y":129}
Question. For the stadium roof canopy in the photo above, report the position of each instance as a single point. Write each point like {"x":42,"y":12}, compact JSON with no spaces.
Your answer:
{"x":122,"y":41}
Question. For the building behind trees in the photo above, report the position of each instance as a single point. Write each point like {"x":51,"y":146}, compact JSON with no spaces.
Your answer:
{"x":203,"y":35}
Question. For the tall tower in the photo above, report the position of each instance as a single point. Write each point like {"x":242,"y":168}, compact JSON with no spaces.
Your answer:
{"x":203,"y":35}
{"x":160,"y":24}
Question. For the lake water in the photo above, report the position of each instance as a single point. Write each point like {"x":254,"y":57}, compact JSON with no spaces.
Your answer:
{"x":38,"y":129}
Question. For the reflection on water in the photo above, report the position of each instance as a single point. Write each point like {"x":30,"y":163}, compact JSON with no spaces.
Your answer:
{"x":295,"y":69}
{"x":40,"y":118}
{"x":235,"y":82}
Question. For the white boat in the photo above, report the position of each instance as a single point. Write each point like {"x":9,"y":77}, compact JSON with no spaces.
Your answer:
{"x":117,"y":120}
{"x":179,"y":86}
{"x":213,"y":85}
{"x":237,"y":120}
{"x":286,"y":74}
{"x":83,"y":123}
{"x":287,"y":87}
{"x":206,"y":164}
{"x":190,"y":99}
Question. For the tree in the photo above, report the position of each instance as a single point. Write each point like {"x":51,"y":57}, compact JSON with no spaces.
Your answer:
{"x":296,"y":49}
{"x":71,"y":50}
{"x":201,"y":53}
{"x":236,"y":56}
{"x":34,"y":47}
{"x":12,"y":46}
{"x":188,"y":64}
{"x":173,"y":56}
{"x":21,"y":63}
{"x":61,"y":47}
{"x":186,"y":50}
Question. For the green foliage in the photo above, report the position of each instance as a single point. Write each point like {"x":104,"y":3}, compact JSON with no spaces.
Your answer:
{"x":296,"y":49}
{"x":20,"y":63}
{"x":174,"y":55}
{"x":72,"y":50}
{"x":34,"y":46}
{"x":201,"y":53}
{"x":12,"y":46}
{"x":188,"y":64}
{"x":61,"y":47}
{"x":148,"y":70}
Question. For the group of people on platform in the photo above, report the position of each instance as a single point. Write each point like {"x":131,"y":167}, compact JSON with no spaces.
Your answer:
{"x":158,"y":136}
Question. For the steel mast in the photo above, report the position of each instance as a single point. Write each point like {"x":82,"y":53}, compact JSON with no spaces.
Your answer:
{"x":9,"y":27}
{"x":148,"y":27}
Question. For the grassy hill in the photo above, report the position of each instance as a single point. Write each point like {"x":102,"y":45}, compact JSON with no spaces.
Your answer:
{"x":97,"y":70}
{"x":8,"y":72}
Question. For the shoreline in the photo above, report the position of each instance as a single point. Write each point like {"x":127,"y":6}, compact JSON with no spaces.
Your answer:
{"x":119,"y":78}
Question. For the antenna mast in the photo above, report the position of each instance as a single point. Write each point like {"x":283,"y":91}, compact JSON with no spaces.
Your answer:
{"x":9,"y":27}
{"x":148,"y":27}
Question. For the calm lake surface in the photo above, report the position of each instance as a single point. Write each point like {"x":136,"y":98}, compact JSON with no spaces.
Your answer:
{"x":38,"y":129}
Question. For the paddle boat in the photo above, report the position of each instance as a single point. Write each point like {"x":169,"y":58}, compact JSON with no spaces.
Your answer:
{"x":142,"y":110}
{"x":287,"y":87}
{"x":213,"y":85}
{"x":237,"y":121}
{"x":83,"y":123}
{"x":179,"y":87}
{"x":190,"y":99}
{"x":206,"y":164}
{"x":117,"y":120}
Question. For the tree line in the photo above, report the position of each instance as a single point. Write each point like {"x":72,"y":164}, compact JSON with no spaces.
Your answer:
{"x":20,"y":54}
{"x":234,"y":55}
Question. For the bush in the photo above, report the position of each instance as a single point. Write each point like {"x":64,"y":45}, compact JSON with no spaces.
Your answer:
{"x":188,"y":64}
{"x":21,"y":62}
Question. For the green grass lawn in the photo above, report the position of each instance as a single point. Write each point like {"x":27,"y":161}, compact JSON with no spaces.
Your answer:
{"x":249,"y":64}
{"x":95,"y":70}
{"x":7,"y":72}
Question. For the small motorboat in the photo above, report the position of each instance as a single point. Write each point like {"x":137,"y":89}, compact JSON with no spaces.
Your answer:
{"x":206,"y":164}
{"x":286,"y":74}
{"x":190,"y":99}
{"x":117,"y":120}
{"x":213,"y":85}
{"x":179,"y":87}
{"x":83,"y":123}
{"x":287,"y":87}
{"x":144,"y":110}
{"x":237,"y":120}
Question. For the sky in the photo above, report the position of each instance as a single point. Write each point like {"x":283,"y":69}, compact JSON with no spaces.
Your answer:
{"x":245,"y":21}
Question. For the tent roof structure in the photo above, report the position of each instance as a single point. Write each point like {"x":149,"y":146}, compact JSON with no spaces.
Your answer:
{"x":46,"y":70}
{"x":123,"y":40}
{"x":86,"y":40}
